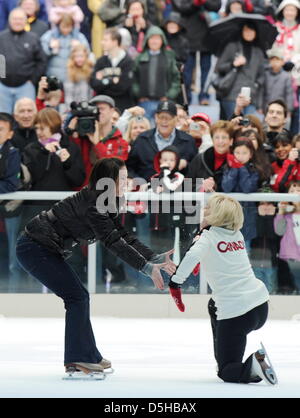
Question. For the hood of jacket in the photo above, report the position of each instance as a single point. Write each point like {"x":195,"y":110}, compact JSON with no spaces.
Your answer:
{"x":156,"y":163}
{"x":154,"y":30}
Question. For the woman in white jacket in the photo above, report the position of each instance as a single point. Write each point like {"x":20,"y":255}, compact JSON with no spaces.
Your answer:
{"x":239,"y":302}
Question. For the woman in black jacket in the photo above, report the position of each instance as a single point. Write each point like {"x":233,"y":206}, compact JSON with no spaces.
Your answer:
{"x":89,"y":215}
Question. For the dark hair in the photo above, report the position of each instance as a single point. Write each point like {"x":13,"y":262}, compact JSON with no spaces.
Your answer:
{"x":114,"y":34}
{"x":282,"y":138}
{"x":242,"y":140}
{"x":6,"y":117}
{"x":280,"y":103}
{"x":105,"y":168}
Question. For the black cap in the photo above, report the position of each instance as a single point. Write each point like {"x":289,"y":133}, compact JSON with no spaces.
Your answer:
{"x":167,"y":106}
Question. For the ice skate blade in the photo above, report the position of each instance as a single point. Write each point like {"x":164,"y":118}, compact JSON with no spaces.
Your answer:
{"x":109,"y":371}
{"x":95,"y":376}
{"x":272,"y":377}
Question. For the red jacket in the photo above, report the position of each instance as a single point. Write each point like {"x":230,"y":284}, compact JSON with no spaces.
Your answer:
{"x":113,"y":145}
{"x":289,"y":171}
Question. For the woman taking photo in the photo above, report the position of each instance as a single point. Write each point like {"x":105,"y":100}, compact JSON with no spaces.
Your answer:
{"x":49,"y":237}
{"x":247,"y":60}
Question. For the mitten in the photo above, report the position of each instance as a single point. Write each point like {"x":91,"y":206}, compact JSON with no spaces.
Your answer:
{"x":175,"y":292}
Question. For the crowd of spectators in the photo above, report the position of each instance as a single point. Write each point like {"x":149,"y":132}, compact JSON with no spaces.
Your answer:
{"x":91,"y":79}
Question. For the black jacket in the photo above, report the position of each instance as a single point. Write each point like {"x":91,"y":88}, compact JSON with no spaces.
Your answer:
{"x":195,"y":20}
{"x":23,"y":137}
{"x":77,"y":219}
{"x":48,"y":172}
{"x":141,"y":157}
{"x":120,"y":91}
{"x":202,"y":167}
{"x":24,"y":57}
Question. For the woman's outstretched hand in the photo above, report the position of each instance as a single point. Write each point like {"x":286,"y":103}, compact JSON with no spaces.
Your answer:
{"x":169,"y":266}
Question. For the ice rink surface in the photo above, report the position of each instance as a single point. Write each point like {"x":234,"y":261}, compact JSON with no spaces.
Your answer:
{"x":152,"y":358}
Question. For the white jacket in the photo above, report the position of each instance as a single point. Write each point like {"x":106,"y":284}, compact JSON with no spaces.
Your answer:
{"x":224,"y":263}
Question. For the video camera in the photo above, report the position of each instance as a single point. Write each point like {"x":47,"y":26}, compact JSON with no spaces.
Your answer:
{"x":87,"y":115}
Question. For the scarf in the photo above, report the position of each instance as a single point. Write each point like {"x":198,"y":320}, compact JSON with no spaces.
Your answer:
{"x":30,"y":20}
{"x":286,"y":35}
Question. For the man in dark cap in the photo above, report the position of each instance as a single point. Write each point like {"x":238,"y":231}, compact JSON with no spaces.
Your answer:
{"x":149,"y":143}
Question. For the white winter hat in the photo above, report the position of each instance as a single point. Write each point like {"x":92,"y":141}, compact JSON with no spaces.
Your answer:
{"x":284,"y":3}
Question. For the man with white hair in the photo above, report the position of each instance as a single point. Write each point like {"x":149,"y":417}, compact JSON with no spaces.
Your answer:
{"x":25,"y":61}
{"x":24,"y":133}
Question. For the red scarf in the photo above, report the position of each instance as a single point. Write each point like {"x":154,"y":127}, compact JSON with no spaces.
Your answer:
{"x":219,"y":159}
{"x":286,"y":33}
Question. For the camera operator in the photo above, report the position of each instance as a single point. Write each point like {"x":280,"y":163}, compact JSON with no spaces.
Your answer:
{"x":50,"y":92}
{"x":101,"y":138}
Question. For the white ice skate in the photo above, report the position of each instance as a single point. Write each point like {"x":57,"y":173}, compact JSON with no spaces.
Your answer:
{"x":262,"y":368}
{"x":88,"y":371}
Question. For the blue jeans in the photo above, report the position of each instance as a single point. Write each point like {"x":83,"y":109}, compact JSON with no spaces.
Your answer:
{"x":12,"y":226}
{"x":9,"y":95}
{"x":54,"y":273}
{"x":268,"y":275}
{"x":205,"y":62}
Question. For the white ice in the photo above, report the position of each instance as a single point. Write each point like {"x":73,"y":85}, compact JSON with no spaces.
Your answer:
{"x":152,"y":358}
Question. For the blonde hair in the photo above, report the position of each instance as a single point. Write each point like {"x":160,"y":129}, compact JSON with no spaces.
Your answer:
{"x":75,"y":73}
{"x":135,"y":119}
{"x":224,"y":211}
{"x":57,"y":2}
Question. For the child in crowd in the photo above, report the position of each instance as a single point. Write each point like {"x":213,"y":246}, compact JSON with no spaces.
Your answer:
{"x":278,"y":83}
{"x":242,"y":175}
{"x":61,"y":7}
{"x":79,"y":70}
{"x":167,"y":179}
{"x":58,"y":43}
{"x":239,"y":302}
{"x":287,"y":225}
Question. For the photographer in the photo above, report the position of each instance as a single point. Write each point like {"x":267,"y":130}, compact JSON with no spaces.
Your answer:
{"x":49,"y":94}
{"x":95,"y":134}
{"x":199,"y":129}
{"x":54,"y":162}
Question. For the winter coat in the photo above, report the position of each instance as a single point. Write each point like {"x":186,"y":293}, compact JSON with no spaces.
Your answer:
{"x":264,"y":246}
{"x":24,"y":56}
{"x":6,"y":6}
{"x":285,"y":173}
{"x":195,"y":20}
{"x":48,"y":172}
{"x":166,"y":71}
{"x":57,"y":63}
{"x":77,"y":219}
{"x":144,"y":148}
{"x":284,"y":226}
{"x":278,"y":86}
{"x":120,"y":91}
{"x":9,"y":168}
{"x":249,"y":75}
{"x":113,"y":145}
{"x":243,"y":180}
{"x":23,"y":137}
{"x":202,"y":167}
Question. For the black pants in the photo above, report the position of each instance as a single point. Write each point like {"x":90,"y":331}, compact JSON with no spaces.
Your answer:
{"x":53,"y":272}
{"x":230,"y":338}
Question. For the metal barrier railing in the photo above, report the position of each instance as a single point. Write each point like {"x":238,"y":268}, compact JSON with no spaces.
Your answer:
{"x":145,"y":196}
